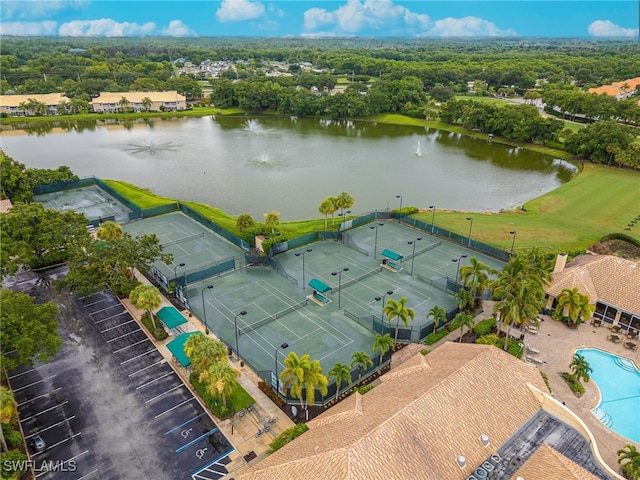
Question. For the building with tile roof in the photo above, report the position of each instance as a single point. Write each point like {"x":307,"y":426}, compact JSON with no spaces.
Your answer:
{"x":620,"y":90}
{"x":612,"y":283}
{"x":160,"y":101}
{"x":15,"y":105}
{"x":440,"y":416}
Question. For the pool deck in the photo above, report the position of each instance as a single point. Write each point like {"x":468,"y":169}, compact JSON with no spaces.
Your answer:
{"x":557,"y":343}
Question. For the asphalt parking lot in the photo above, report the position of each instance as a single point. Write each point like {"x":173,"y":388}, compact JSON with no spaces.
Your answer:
{"x":109,"y":406}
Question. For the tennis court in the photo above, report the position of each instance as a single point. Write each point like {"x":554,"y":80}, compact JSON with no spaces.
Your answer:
{"x":193,"y":246}
{"x":276,"y":312}
{"x":94,"y":202}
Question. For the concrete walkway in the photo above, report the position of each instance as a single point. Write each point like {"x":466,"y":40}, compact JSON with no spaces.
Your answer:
{"x":240,"y":431}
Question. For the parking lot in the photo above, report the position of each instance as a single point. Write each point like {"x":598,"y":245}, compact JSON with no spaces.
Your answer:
{"x":109,"y":405}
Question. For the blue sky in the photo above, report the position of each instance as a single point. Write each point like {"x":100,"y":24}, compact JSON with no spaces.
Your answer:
{"x":310,"y":18}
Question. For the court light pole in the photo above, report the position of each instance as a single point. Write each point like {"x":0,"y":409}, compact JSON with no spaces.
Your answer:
{"x":297,"y":255}
{"x":413,"y":255}
{"x":375,"y":245}
{"x":284,"y":345}
{"x":175,"y":268}
{"x":470,"y":227}
{"x":339,"y":274}
{"x":204,"y":309}
{"x":378,"y":298}
{"x":458,"y":260}
{"x":235,"y":326}
{"x":513,"y":242}
{"x":400,"y":197}
{"x":433,"y":217}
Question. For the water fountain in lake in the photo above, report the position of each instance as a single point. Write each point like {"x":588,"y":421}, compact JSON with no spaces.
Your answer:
{"x":152,"y":147}
{"x":253,"y":126}
{"x":419,"y":149}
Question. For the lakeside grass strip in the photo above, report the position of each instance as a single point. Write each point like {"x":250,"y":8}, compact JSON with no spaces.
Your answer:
{"x":141,"y":197}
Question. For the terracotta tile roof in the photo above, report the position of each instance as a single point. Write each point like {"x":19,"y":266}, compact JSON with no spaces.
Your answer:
{"x":46,"y":98}
{"x":549,"y":464}
{"x":632,"y":83}
{"x":617,"y":88}
{"x":610,"y":279}
{"x":416,"y":423}
{"x":607,"y":89}
{"x":137,"y":97}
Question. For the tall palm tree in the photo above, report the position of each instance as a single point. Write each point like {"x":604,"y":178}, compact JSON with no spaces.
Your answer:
{"x":362,"y":360}
{"x":475,"y":276}
{"x":465,"y":299}
{"x":326,"y":208}
{"x":340,"y":372}
{"x":303,"y":373}
{"x":8,"y":412}
{"x":344,"y":201}
{"x":399,"y":311}
{"x":382,"y":344}
{"x":463,"y":320}
{"x":631,"y":458}
{"x":575,"y":304}
{"x":222,"y":379}
{"x":580,"y":368}
{"x":146,"y":103}
{"x":146,"y":297}
{"x":123,"y":104}
{"x":272,"y":220}
{"x":438,"y":314}
{"x":110,"y":231}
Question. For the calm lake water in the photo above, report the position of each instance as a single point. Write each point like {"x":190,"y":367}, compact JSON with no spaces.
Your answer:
{"x":255,"y":165}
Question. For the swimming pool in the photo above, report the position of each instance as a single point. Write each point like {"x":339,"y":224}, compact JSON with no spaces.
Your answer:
{"x":618,"y":380}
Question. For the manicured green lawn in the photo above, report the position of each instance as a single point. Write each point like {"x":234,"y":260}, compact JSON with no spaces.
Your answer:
{"x":140,"y":196}
{"x":598,"y":201}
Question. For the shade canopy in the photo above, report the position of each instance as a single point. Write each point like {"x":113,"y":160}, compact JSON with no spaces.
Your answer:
{"x":176,"y":347}
{"x":319,"y":285}
{"x":171,"y":317}
{"x":392,"y":255}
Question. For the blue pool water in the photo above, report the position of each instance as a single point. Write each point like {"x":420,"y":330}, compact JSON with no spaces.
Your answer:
{"x":618,"y":380}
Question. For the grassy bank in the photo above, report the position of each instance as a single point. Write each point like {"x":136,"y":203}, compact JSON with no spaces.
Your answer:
{"x":598,"y":201}
{"x":142,"y":197}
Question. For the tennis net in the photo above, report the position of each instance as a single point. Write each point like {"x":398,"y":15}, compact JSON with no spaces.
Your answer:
{"x":358,"y":278}
{"x":271,"y":318}
{"x":183,"y":239}
{"x":425,"y":249}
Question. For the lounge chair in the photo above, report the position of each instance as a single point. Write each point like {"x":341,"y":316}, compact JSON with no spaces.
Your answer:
{"x":532,"y":329}
{"x":533,"y":350}
{"x":534,"y":360}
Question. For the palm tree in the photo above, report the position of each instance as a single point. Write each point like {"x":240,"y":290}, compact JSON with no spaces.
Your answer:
{"x":399,"y":311}
{"x":475,"y":276}
{"x":203,"y":351}
{"x":146,"y":297}
{"x":303,"y":373}
{"x":463,"y":320}
{"x":222,"y":379}
{"x":8,"y":412}
{"x":340,"y":372}
{"x":580,"y":368}
{"x":575,"y":304}
{"x":124,"y":103}
{"x":327,"y":207}
{"x":382,"y":344}
{"x":363,"y":360}
{"x":438,"y":315}
{"x":344,"y":201}
{"x":110,"y":230}
{"x":465,"y":299}
{"x":272,"y":219}
{"x":631,"y":468}
{"x":146,"y":103}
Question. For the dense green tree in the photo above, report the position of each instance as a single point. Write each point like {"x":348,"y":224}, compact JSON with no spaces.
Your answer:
{"x":109,"y":231}
{"x":600,"y":141}
{"x":327,"y":207}
{"x":146,"y":297}
{"x":221,"y":379}
{"x":203,"y":351}
{"x":272,"y":220}
{"x":8,"y":413}
{"x":29,"y":332}
{"x":244,"y":221}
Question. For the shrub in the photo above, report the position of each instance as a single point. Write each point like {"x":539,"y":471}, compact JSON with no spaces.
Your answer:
{"x":158,"y":333}
{"x":406,"y":210}
{"x":286,"y":436}
{"x":484,"y":327}
{"x":434,"y":337}
{"x":13,"y":459}
{"x":576,"y":387}
{"x":545,"y":377}
{"x":363,"y":389}
{"x":12,"y":437}
{"x":424,"y":351}
{"x":213,"y":402}
{"x":268,"y":391}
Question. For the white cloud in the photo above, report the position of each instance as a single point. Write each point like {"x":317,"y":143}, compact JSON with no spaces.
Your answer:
{"x":239,"y":10}
{"x":467,"y":27}
{"x":31,"y":9}
{"x":36,"y":29}
{"x":178,"y":29}
{"x":105,"y":27}
{"x":606,"y":28}
{"x":358,"y":15}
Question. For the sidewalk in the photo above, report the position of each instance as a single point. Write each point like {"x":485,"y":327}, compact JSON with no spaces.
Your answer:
{"x":240,"y":431}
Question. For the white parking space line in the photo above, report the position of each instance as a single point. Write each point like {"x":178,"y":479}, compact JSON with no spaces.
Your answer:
{"x":132,"y":345}
{"x":119,"y":325}
{"x":87,"y":475}
{"x":94,"y":303}
{"x":45,"y":411}
{"x":122,"y":336}
{"x":173,"y":408}
{"x":40,"y":396}
{"x":146,"y":368}
{"x":34,"y":383}
{"x":164,"y":393}
{"x":109,"y":318}
{"x":107,"y":308}
{"x":26,"y":371}
{"x":138,"y":356}
{"x":155,"y":380}
{"x":51,"y":426}
{"x":59,"y":443}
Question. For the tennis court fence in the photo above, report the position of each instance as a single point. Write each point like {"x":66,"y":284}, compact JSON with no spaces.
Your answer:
{"x":272,"y":318}
{"x":348,"y":241}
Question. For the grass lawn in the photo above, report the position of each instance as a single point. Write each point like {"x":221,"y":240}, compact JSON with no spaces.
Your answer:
{"x":142,"y":197}
{"x":598,"y":201}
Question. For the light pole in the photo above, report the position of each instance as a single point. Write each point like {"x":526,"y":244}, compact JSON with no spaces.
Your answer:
{"x":375,"y":245}
{"x":235,"y":326}
{"x":283,"y":346}
{"x":342,"y":226}
{"x":470,"y":227}
{"x":513,"y":242}
{"x":339,"y":274}
{"x":433,"y":217}
{"x":175,"y":273}
{"x":204,"y":309}
{"x":297,"y":255}
{"x":457,"y":260}
{"x":400,"y":197}
{"x":378,"y":298}
{"x":413,"y":255}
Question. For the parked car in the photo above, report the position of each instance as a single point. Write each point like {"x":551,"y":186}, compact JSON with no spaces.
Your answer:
{"x":37,"y":443}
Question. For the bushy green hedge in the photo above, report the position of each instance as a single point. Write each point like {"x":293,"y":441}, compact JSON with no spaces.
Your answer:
{"x":545,"y":377}
{"x":575,"y":386}
{"x":363,"y":389}
{"x":158,"y":333}
{"x":621,"y":236}
{"x":483,"y":327}
{"x":12,"y":437}
{"x":13,"y":459}
{"x":493,"y":339}
{"x":286,"y":436}
{"x":434,"y":337}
